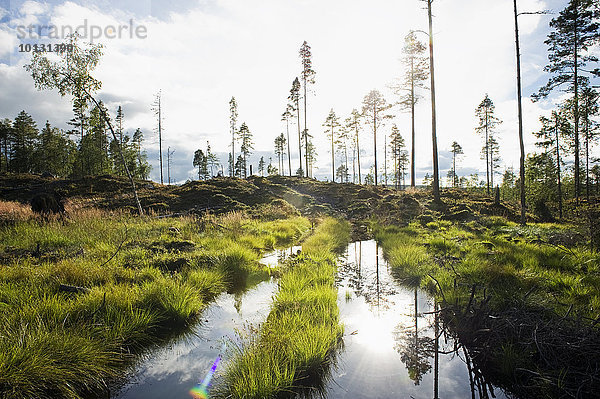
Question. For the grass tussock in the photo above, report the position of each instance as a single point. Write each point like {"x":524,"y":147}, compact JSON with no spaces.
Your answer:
{"x":143,"y":280}
{"x":507,"y":259}
{"x":295,"y":344}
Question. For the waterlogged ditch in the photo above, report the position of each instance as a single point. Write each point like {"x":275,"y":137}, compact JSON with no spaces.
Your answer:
{"x":388,"y":350}
{"x":173,"y":370}
{"x":389,"y":342}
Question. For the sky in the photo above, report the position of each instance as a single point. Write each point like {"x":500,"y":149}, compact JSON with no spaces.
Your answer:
{"x":200,"y":53}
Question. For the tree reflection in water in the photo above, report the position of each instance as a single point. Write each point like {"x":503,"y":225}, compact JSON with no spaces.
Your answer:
{"x":414,"y":347}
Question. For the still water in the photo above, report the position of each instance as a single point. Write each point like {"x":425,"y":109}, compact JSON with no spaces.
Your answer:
{"x":172,"y":371}
{"x":389,"y":342}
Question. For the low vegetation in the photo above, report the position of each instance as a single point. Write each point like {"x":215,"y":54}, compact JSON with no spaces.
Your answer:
{"x":524,"y":300}
{"x":80,"y":296}
{"x":294,"y":346}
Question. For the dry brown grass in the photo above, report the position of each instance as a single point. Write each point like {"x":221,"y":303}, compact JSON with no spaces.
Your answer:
{"x":233,"y":220}
{"x":15,"y":211}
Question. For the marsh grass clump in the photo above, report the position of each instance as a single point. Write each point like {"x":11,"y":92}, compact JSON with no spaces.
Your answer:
{"x":296,"y":343}
{"x":141,"y":281}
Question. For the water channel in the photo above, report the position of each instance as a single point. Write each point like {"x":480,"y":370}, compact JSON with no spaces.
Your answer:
{"x":389,"y":346}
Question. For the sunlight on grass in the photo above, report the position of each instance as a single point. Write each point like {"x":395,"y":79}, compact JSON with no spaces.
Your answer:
{"x":302,"y":331}
{"x":142,"y":279}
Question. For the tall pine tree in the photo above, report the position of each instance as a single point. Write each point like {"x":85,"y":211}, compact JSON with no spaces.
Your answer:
{"x":575,"y":30}
{"x":416,"y":74}
{"x":308,"y":78}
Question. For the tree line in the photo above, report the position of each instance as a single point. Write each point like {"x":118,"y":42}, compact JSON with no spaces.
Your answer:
{"x":86,"y":149}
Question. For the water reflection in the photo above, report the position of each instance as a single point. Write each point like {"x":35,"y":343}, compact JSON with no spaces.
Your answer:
{"x":171,"y":371}
{"x":415,"y":349}
{"x":273,"y":258}
{"x":394,"y":345}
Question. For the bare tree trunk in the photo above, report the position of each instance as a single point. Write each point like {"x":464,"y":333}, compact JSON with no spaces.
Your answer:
{"x":436,"y":175}
{"x":413,"y":180}
{"x":306,"y":132}
{"x":159,"y":139}
{"x":375,"y":139}
{"x":299,"y":137}
{"x":576,"y":110}
{"x":587,"y":156}
{"x":454,"y":169}
{"x":560,"y":200}
{"x":332,"y":156}
{"x":346,"y":161}
{"x":385,"y":158}
{"x":358,"y":156}
{"x":287,"y":128}
{"x":487,"y":152}
{"x":520,"y":115}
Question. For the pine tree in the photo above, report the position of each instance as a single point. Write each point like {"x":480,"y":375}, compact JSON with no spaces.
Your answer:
{"x":331,"y":123}
{"x":353,"y":123}
{"x":294,"y":99}
{"x":169,"y":154}
{"x":142,"y":169}
{"x":201,"y":162}
{"x":233,"y":115}
{"x":342,"y":147}
{"x":240,"y":166}
{"x":456,"y":151}
{"x":80,"y":123}
{"x":436,"y":177}
{"x":246,"y":146}
{"x":5,"y":137}
{"x":308,"y":77}
{"x":575,"y":30}
{"x":286,"y":116}
{"x":342,"y":173}
{"x":94,"y":150}
{"x":312,"y":156}
{"x":157,"y":108}
{"x":488,"y":122}
{"x":261,"y":166}
{"x":493,"y":152}
{"x":374,"y":111}
{"x":399,"y":154}
{"x":24,"y":133}
{"x":271,"y":170}
{"x":508,"y":187}
{"x":414,"y":78}
{"x":54,"y":152}
{"x":119,"y":124}
{"x":280,"y":151}
{"x":212,"y":161}
{"x":553,"y":129}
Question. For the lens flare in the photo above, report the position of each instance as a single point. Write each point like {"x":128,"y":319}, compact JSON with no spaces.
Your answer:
{"x":200,"y":391}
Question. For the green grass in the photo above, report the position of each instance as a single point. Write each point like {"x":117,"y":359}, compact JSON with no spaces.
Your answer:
{"x":507,"y":259}
{"x":538,"y":281}
{"x":295,"y":344}
{"x":163,"y":273}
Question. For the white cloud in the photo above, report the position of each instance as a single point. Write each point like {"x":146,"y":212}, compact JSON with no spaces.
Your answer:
{"x":31,"y":7}
{"x":8,"y":42}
